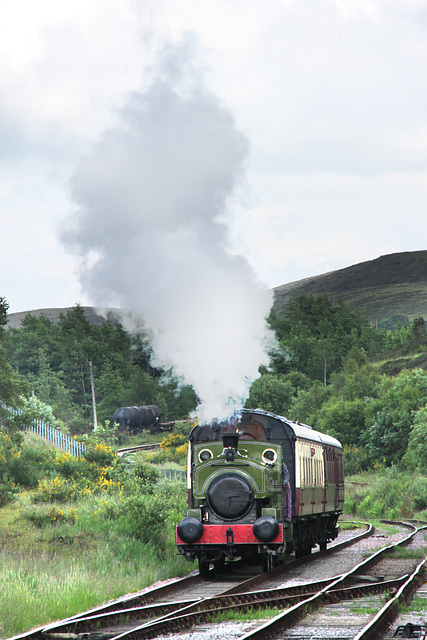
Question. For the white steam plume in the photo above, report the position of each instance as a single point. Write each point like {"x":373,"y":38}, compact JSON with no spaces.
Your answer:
{"x":149,"y":195}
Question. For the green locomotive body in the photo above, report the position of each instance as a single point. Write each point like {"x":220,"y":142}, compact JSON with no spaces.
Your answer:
{"x":260,"y":485}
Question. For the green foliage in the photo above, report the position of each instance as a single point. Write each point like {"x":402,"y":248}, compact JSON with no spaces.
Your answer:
{"x":356,"y":460}
{"x":100,"y":453}
{"x":393,"y":495}
{"x":146,"y":516}
{"x":134,"y":477}
{"x":35,"y":409}
{"x":56,"y":561}
{"x":308,"y":403}
{"x":416,"y":455}
{"x":345,"y":419}
{"x":392,"y":413}
{"x":173,"y":448}
{"x":51,"y":515}
{"x":184,"y":427}
{"x":53,"y":360}
{"x":374,"y":416}
{"x":10,"y":452}
{"x":271,"y":394}
{"x":11,"y":385}
{"x":316,"y":335}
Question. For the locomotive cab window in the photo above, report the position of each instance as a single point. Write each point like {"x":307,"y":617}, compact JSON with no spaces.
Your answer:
{"x":269,"y":456}
{"x":205,"y":455}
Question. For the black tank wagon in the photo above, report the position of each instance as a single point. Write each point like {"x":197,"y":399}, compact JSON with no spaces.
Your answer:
{"x":135,"y":419}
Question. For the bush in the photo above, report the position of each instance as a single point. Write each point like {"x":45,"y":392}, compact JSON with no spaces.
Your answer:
{"x":184,"y":427}
{"x":7,"y":492}
{"x":145,"y":518}
{"x":173,"y":448}
{"x":52,"y":516}
{"x":149,"y":517}
{"x":394,"y":495}
{"x":355,"y":460}
{"x":100,"y":453}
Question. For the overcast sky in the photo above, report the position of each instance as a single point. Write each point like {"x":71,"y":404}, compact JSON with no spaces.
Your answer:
{"x":330,"y":97}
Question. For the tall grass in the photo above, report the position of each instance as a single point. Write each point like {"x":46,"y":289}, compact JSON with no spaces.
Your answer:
{"x":387,"y":493}
{"x":50,"y":570}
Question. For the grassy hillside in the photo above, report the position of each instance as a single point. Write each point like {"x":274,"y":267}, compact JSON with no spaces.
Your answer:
{"x":391,"y":285}
{"x":92,"y":314}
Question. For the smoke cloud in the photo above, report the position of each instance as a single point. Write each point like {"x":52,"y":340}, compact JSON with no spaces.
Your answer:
{"x":152,"y":198}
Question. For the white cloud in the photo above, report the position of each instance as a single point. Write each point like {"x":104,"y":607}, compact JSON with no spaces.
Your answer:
{"x":331,"y":94}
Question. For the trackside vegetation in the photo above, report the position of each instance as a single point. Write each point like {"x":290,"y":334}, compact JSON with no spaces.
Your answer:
{"x":80,"y":531}
{"x":76,"y":532}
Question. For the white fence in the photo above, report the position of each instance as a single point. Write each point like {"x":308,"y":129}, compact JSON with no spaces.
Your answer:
{"x":173,"y":474}
{"x":57,"y":438}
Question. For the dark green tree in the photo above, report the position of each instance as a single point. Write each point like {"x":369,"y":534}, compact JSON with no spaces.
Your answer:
{"x":11,"y":385}
{"x":391,"y":414}
{"x":271,"y":394}
{"x":315,"y":335}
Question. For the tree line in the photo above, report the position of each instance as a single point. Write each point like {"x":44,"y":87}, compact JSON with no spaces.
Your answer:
{"x":51,"y":361}
{"x":329,"y":368}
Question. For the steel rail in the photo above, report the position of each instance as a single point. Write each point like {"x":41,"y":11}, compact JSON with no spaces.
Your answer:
{"x":292,"y":564}
{"x":135,"y":601}
{"x":181,"y":619}
{"x":209,"y":608}
{"x":222,"y":601}
{"x":138,"y":447}
{"x":292,"y":616}
{"x":385,"y":617}
{"x":129,"y":606}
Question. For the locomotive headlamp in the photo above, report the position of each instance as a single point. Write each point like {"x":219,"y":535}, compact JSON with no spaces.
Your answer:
{"x":231,"y":441}
{"x":205,"y":455}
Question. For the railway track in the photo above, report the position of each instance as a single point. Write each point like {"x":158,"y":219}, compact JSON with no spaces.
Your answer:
{"x":196,"y":601}
{"x":137,"y":447}
{"x":192,"y":587}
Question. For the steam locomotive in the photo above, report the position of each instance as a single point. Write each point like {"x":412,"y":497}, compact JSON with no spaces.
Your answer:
{"x":260,"y":486}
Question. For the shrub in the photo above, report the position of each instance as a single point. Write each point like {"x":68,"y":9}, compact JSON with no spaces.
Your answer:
{"x":355,"y":460}
{"x":184,"y":427}
{"x":173,"y":448}
{"x":60,"y":489}
{"x":145,"y":518}
{"x":394,"y":495}
{"x":100,"y":453}
{"x":52,"y":516}
{"x":7,"y":492}
{"x":173,"y":440}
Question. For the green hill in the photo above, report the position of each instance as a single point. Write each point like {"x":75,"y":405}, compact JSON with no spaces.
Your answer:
{"x":92,"y":314}
{"x":388,"y":286}
{"x":391,"y":285}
